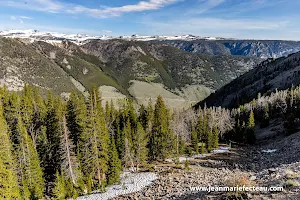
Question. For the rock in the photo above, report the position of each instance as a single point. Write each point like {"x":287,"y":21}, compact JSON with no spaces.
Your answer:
{"x":252,"y":178}
{"x":271,"y":171}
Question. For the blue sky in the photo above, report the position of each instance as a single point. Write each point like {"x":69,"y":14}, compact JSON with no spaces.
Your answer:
{"x":253,"y":19}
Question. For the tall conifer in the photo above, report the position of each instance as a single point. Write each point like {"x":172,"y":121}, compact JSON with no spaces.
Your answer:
{"x":8,"y":178}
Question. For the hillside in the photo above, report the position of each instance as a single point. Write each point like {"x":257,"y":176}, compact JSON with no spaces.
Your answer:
{"x":259,"y":48}
{"x":127,"y":67}
{"x":177,"y":71}
{"x":21,"y":63}
{"x":281,"y":73}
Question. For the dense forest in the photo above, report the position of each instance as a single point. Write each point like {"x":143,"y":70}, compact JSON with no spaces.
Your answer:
{"x":63,"y":148}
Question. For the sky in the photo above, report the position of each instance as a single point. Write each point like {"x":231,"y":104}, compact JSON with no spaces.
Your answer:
{"x":242,"y":19}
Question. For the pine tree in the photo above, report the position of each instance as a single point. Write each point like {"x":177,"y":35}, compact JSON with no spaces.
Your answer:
{"x":143,"y":117}
{"x":38,"y":126}
{"x":202,"y":148}
{"x":250,"y":135}
{"x":128,"y":154}
{"x":131,"y":114}
{"x":8,"y":178}
{"x":160,"y":136}
{"x":114,"y":164}
{"x":251,"y":122}
{"x":181,"y":145}
{"x":215,"y":137}
{"x":11,"y":113}
{"x":205,"y":127}
{"x":27,"y":107}
{"x":128,"y":145}
{"x":96,"y":144}
{"x":128,"y":133}
{"x":265,"y":120}
{"x":60,"y":190}
{"x":29,"y":163}
{"x":210,"y":138}
{"x":150,"y":117}
{"x":70,"y":165}
{"x":76,"y":120}
{"x":194,"y":140}
{"x":54,"y":132}
{"x":119,"y":136}
{"x":200,"y":134}
{"x":140,"y":145}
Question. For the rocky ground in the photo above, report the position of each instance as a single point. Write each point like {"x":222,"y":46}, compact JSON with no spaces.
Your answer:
{"x":273,"y":161}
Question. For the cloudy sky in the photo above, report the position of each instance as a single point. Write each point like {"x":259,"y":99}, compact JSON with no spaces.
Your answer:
{"x":251,"y":19}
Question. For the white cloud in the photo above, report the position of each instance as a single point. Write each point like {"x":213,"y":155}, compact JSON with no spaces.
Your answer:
{"x":20,"y":18}
{"x":204,"y":5}
{"x":117,"y":11}
{"x":25,"y":17}
{"x":58,"y":6}
{"x":38,"y":5}
{"x":13,"y":18}
{"x":106,"y":31}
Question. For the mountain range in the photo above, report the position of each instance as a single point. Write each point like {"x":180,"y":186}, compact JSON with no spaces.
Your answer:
{"x":139,"y":67}
{"x":196,"y":44}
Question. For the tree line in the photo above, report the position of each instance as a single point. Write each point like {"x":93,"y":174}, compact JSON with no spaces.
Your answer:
{"x":66,"y":148}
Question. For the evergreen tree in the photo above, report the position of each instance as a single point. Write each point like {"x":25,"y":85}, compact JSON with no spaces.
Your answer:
{"x":210,"y":140}
{"x":181,"y":145}
{"x":195,"y":140}
{"x":128,"y":144}
{"x":69,"y":165}
{"x":54,"y":132}
{"x":27,"y":107}
{"x":251,"y":122}
{"x":143,"y":117}
{"x":11,"y":113}
{"x":265,"y":120}
{"x":76,"y":120}
{"x":202,"y":148}
{"x":150,"y":118}
{"x":160,"y":136}
{"x":119,"y":136}
{"x":128,"y":154}
{"x":140,"y":145}
{"x":29,"y":163}
{"x":114,"y":164}
{"x":95,"y":152}
{"x":38,"y":126}
{"x":60,"y":189}
{"x":200,"y":134}
{"x":205,"y":127}
{"x":128,"y":133}
{"x":131,"y":114}
{"x":215,"y":137}
{"x":8,"y":178}
{"x":250,"y":135}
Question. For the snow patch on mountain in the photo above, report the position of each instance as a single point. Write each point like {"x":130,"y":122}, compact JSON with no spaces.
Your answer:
{"x":79,"y":39}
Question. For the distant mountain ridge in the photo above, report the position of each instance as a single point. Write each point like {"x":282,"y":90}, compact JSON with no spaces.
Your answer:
{"x":259,"y":48}
{"x":281,"y":73}
{"x":137,"y":69}
{"x":196,"y":44}
{"x":80,"y":39}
